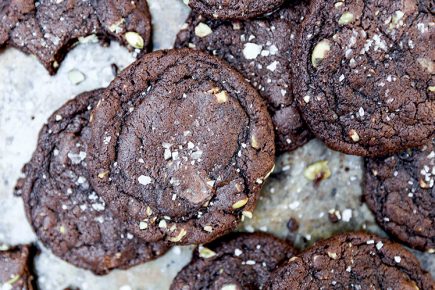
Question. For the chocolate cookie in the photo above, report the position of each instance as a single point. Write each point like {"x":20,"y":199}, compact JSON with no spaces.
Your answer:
{"x":63,"y":209}
{"x":233,"y":9}
{"x":15,"y":268}
{"x":11,"y":12}
{"x":49,"y":29}
{"x":235,"y":261}
{"x":352,"y":261}
{"x":261,"y":50}
{"x":401,"y":193}
{"x":181,"y":144}
{"x":365,"y":74}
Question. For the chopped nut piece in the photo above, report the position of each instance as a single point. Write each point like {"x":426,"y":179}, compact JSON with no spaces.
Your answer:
{"x":318,"y":171}
{"x":214,"y":91}
{"x":162,"y":224}
{"x":424,"y":184}
{"x":240,"y":203}
{"x":88,"y":39}
{"x":247,"y":214}
{"x":320,"y":52}
{"x":116,"y":27}
{"x":222,"y":97}
{"x":346,"y":18}
{"x":179,"y":237}
{"x":134,"y":39}
{"x":427,"y":64}
{"x":208,"y":229}
{"x":76,"y":77}
{"x":202,"y":30}
{"x":354,"y":135}
{"x":254,"y":142}
{"x":10,"y":282}
{"x":332,"y":255}
{"x":143,"y":225}
{"x":338,"y":4}
{"x":205,"y":253}
{"x":103,"y":174}
{"x":270,"y":172}
{"x":211,"y":183}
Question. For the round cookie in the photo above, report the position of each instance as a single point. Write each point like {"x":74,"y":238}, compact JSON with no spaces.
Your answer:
{"x":365,"y":74}
{"x":233,"y":9}
{"x":181,"y":144}
{"x":401,"y":193}
{"x":51,"y":28}
{"x":235,"y":261}
{"x":352,"y":261}
{"x":15,"y":266}
{"x":261,"y":50}
{"x":67,"y":215}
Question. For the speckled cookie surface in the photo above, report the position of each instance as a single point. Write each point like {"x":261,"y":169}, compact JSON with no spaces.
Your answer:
{"x":181,"y":146}
{"x":234,"y":9}
{"x":64,"y":210}
{"x":15,"y":271}
{"x":365,"y":74}
{"x":11,"y":12}
{"x":401,"y":193}
{"x":48,"y":29}
{"x":236,"y":261}
{"x":261,"y":50}
{"x":352,"y":261}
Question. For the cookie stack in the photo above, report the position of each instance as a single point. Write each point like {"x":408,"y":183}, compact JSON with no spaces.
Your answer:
{"x":176,"y":149}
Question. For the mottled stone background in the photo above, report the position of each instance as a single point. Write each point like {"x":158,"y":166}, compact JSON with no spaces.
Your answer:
{"x":28,"y":95}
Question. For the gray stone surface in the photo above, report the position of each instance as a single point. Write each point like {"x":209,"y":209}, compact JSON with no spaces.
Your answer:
{"x":28,"y":95}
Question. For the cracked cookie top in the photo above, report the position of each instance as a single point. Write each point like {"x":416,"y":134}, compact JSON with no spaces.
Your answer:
{"x":400,"y":191}
{"x":352,"y":261}
{"x":68,"y":216}
{"x":233,"y":9}
{"x":261,"y":49}
{"x":365,"y":74}
{"x":181,"y":144}
{"x":49,"y":29}
{"x":234,"y":262}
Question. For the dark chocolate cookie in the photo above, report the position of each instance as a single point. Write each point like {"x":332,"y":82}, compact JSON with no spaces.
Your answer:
{"x":49,"y":29}
{"x":261,"y":50}
{"x":15,"y":264}
{"x":365,"y":74}
{"x":11,"y":12}
{"x":181,"y":144}
{"x":65,"y":212}
{"x":233,"y":9}
{"x":236,"y":261}
{"x":352,"y":261}
{"x":401,"y":193}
